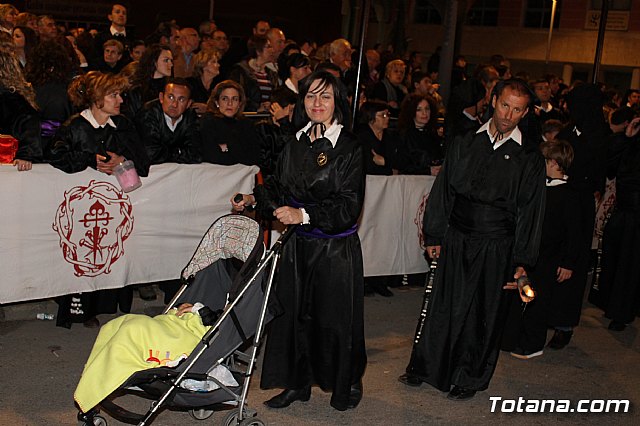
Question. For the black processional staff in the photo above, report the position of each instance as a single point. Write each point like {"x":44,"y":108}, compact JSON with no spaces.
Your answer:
{"x":597,"y":270}
{"x":427,"y":296}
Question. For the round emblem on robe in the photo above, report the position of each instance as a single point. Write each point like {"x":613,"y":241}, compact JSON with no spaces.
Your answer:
{"x":322,"y":159}
{"x":506,"y":156}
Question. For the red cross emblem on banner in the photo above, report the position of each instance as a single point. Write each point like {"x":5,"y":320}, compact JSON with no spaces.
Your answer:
{"x":106,"y":222}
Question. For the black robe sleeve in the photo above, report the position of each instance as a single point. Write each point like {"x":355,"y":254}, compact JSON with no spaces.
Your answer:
{"x":530,"y":211}
{"x":441,"y":197}
{"x":76,"y":144}
{"x":332,"y":194}
{"x":570,"y":247}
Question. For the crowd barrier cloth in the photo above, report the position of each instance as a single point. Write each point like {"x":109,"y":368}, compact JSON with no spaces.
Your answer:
{"x":391,"y":224}
{"x":68,"y":233}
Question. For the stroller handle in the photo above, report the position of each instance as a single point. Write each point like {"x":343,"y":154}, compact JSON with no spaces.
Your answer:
{"x":286,"y":235}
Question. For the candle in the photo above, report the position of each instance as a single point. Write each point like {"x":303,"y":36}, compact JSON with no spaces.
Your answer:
{"x":127,"y":176}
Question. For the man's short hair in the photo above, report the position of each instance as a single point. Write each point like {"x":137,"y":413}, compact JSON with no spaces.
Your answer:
{"x":515,"y":84}
{"x":559,"y":150}
{"x":177,"y":81}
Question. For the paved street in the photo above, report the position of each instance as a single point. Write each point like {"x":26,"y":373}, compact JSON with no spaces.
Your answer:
{"x":41,"y":365}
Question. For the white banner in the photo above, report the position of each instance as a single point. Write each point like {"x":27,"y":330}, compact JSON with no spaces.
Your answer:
{"x":391,"y":224}
{"x":67,"y":233}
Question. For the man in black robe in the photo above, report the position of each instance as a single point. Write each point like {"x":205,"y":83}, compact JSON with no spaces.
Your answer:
{"x":618,"y":292}
{"x":168,"y":127}
{"x":483,"y":221}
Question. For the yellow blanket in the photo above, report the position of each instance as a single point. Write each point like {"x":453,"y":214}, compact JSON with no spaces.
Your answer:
{"x":132,"y":343}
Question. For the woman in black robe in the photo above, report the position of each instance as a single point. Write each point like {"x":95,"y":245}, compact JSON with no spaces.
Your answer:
{"x":619,"y":289}
{"x":99,"y":138}
{"x":421,"y":148}
{"x":318,"y":186}
{"x":49,"y":70}
{"x":227,"y":138}
{"x":18,"y":115}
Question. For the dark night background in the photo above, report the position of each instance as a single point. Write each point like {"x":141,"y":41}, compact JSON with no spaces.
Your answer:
{"x":300,"y":19}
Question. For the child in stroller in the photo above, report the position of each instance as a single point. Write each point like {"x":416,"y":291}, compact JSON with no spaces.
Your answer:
{"x":137,"y":342}
{"x":238,"y":311}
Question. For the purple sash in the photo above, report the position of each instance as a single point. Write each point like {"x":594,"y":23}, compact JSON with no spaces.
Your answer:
{"x":315,"y":232}
{"x":48,"y":128}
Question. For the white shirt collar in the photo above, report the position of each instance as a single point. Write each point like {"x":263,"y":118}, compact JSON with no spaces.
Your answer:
{"x":170,"y":123}
{"x":113,"y":31}
{"x":332,"y":133}
{"x":92,"y":120}
{"x":516,"y":135}
{"x":557,"y":181}
{"x":578,"y":132}
{"x":290,"y":85}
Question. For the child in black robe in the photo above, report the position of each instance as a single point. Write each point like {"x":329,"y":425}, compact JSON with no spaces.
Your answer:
{"x":526,"y":329}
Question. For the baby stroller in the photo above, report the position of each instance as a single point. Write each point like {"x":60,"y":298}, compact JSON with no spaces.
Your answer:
{"x":242,"y":305}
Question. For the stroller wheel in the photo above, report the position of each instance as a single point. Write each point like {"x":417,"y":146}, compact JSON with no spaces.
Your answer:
{"x":95,"y":421}
{"x":232,"y":419}
{"x":201,"y":414}
{"x":253,"y":421}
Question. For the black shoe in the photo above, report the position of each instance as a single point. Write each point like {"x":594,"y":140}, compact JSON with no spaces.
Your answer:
{"x":147,"y":292}
{"x":92,"y":323}
{"x":287,"y":396}
{"x":617,"y":325}
{"x":560,"y":339}
{"x":381,"y":289}
{"x":355,"y":395}
{"x":410,"y":380}
{"x":460,"y":394}
{"x":368,"y":291}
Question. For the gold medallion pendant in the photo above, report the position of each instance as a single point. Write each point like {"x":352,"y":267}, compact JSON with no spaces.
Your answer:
{"x":322,"y":159}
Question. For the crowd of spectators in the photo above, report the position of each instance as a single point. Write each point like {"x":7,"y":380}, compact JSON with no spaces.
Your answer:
{"x":186,"y":95}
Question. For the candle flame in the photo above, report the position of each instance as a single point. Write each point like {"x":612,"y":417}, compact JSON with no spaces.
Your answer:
{"x":528,"y":291}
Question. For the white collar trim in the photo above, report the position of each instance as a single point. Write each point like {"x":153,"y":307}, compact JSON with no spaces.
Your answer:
{"x":92,"y":120}
{"x":332,"y":133}
{"x":516,"y":134}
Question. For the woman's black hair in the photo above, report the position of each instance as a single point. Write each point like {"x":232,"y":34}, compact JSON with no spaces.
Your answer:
{"x":369,"y":109}
{"x":340,"y":114}
{"x":296,"y":60}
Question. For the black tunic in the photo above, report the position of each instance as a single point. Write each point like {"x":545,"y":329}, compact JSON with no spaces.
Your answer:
{"x":54,"y":109}
{"x":619,"y":289}
{"x":587,"y":175}
{"x":163,"y":145}
{"x":199,"y":93}
{"x":76,"y":144}
{"x":240,"y":136}
{"x":387,"y":147}
{"x":485,"y":209}
{"x":420,"y":149}
{"x":319,"y":339}
{"x":558,"y":248}
{"x":20,"y":120}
